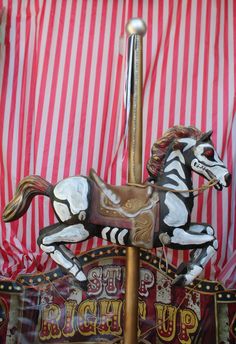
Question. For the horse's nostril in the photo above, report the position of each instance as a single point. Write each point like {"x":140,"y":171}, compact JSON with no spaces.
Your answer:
{"x":228,"y":177}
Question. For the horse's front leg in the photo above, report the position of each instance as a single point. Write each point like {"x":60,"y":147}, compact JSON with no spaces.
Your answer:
{"x":200,"y":238}
{"x":52,"y":241}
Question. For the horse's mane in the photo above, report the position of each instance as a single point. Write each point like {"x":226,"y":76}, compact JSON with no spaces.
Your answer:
{"x":160,"y":147}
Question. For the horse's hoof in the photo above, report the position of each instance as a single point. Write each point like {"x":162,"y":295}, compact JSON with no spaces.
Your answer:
{"x":182,"y":269}
{"x":179,"y":281}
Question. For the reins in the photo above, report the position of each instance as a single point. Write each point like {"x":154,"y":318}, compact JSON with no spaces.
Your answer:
{"x":202,"y":188}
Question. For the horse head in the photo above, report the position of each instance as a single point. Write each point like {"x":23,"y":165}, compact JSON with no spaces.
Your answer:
{"x":194,"y":149}
{"x":203,"y":159}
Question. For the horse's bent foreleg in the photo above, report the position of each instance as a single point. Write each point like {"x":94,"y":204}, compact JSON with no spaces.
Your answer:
{"x":62,"y":233}
{"x":52,"y":242}
{"x":202,"y":238}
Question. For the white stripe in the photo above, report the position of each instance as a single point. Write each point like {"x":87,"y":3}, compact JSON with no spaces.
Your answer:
{"x":105,"y":231}
{"x":175,"y":165}
{"x":10,"y":90}
{"x":179,"y":79}
{"x":67,"y":131}
{"x":181,"y":185}
{"x":93,"y":88}
{"x":28,"y":86}
{"x":211,"y":66}
{"x":191,"y":56}
{"x":121,"y":236}
{"x":59,"y":86}
{"x":220,"y":111}
{"x":201,"y":66}
{"x":52,"y":56}
{"x":112,"y":235}
{"x":169,"y":65}
{"x":160,"y":63}
{"x":176,"y":154}
{"x":81,"y":87}
{"x":189,"y":143}
{"x":110,"y":114}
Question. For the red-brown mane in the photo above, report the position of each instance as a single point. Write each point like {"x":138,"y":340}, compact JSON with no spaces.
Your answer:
{"x":160,"y":147}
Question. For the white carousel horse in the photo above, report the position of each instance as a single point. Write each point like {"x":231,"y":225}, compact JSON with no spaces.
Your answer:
{"x":148,"y":215}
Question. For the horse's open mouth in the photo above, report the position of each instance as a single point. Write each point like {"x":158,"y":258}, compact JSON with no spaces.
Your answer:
{"x":218,"y":186}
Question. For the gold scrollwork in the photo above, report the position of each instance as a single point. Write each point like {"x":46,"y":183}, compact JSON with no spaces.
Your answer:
{"x":132,"y":205}
{"x":143,"y":228}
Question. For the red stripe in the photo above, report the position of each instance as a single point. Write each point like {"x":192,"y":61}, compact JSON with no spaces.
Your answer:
{"x":196,"y":63}
{"x":13,"y":96}
{"x":214,"y":116}
{"x":184,"y":93}
{"x":85,"y":95}
{"x":163,"y":72}
{"x":106,"y":97}
{"x":61,"y":116}
{"x":30,"y":123}
{"x":39,"y":110}
{"x":153,"y":75}
{"x":148,"y":39}
{"x":185,"y":64}
{"x":97,"y":87}
{"x":226,"y":111}
{"x":49,"y":128}
{"x":175,"y":66}
{"x":75,"y":85}
{"x":5,"y":173}
{"x":204,"y":92}
{"x":12,"y":116}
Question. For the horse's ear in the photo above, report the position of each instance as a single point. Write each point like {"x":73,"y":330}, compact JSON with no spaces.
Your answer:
{"x":206,"y":137}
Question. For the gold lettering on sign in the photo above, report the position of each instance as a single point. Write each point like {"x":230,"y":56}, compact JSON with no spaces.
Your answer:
{"x":110,"y":315}
{"x":50,"y":318}
{"x":87,"y":320}
{"x":68,"y":329}
{"x":142,"y":312}
{"x":189,"y":324}
{"x":104,"y":317}
{"x":166,"y":321}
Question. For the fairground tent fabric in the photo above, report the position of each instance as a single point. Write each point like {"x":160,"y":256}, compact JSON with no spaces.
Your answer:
{"x":62,"y":76}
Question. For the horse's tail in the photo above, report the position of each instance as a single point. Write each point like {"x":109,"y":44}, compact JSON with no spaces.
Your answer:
{"x":28,"y":188}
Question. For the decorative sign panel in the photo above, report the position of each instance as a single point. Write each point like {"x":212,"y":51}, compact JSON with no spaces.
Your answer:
{"x":50,"y":308}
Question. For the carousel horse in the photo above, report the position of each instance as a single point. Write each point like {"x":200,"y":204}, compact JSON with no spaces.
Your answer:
{"x":149,"y":215}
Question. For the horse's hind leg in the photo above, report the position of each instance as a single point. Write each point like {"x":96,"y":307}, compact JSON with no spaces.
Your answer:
{"x":52,"y":240}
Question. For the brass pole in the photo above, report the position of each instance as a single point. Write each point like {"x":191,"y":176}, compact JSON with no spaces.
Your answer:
{"x":137,"y":28}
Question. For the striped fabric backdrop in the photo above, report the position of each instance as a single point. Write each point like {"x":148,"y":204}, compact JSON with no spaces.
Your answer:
{"x":62,"y":66}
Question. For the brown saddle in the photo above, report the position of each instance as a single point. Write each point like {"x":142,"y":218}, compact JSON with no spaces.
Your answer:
{"x":130,"y":206}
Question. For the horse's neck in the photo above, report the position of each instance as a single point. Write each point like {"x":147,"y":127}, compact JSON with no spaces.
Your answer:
{"x":176,"y":174}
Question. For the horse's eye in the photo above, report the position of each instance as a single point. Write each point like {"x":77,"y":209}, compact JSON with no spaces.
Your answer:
{"x":209,"y":153}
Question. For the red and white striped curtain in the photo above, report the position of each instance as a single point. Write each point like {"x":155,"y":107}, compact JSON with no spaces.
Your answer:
{"x":62,"y":66}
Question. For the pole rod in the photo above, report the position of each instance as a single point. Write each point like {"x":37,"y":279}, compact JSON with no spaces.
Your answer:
{"x":137,"y":28}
